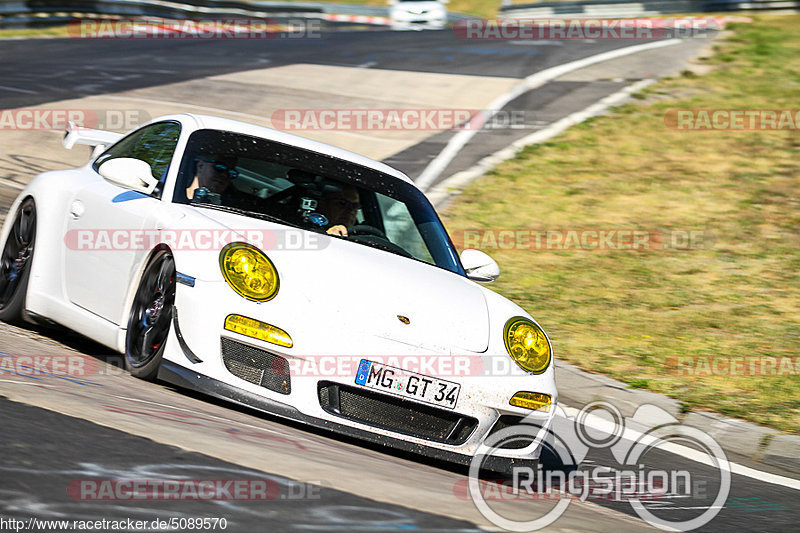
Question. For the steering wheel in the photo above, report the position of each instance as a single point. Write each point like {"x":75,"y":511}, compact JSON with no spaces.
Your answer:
{"x":371,"y":234}
{"x":365,"y":229}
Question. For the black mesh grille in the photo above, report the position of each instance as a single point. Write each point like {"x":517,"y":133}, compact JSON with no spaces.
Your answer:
{"x":395,"y":414}
{"x":257,"y":366}
{"x":513,"y":442}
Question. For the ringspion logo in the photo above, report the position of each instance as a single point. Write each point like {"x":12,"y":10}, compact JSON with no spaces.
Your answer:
{"x":628,"y":474}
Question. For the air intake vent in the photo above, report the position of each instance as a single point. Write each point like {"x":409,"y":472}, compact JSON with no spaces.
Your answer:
{"x":395,"y":414}
{"x":257,"y":366}
{"x":514,"y":442}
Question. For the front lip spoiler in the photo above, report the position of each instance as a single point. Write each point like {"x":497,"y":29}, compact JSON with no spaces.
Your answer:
{"x":189,"y":379}
{"x":190,"y":355}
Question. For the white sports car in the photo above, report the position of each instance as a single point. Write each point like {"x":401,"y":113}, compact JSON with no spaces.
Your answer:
{"x":283,"y":274}
{"x":418,"y":14}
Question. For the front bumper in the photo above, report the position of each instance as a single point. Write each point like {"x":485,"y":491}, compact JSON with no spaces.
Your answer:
{"x":195,"y":357}
{"x":423,"y":21}
{"x":189,"y":379}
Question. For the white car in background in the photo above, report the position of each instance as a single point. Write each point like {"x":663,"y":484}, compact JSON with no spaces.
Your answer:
{"x":418,"y":14}
{"x":244,"y":293}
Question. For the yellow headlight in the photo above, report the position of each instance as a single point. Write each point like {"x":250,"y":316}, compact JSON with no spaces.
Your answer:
{"x":527,"y":345}
{"x":249,"y":272}
{"x":258,"y":330}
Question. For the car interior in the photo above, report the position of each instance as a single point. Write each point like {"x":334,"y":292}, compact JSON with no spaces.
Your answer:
{"x":296,"y":187}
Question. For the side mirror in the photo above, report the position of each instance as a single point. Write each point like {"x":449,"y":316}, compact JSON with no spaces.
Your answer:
{"x":130,"y":173}
{"x":479,"y":266}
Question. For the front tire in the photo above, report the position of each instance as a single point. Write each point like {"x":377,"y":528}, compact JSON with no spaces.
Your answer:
{"x":15,"y":262}
{"x":151,"y":314}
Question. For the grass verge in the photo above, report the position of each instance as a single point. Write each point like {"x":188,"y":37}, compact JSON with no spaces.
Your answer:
{"x":54,"y":31}
{"x":632,"y":314}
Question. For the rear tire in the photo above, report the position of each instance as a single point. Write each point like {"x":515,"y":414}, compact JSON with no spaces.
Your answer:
{"x":150,"y":318}
{"x":15,"y":262}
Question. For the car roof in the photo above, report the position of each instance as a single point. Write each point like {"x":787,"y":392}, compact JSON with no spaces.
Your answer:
{"x":236,"y":126}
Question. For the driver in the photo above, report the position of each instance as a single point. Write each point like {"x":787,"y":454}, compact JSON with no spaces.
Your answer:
{"x":214,"y":172}
{"x":341,"y":208}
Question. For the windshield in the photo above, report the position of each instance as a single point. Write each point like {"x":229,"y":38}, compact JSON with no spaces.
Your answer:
{"x":293,"y":186}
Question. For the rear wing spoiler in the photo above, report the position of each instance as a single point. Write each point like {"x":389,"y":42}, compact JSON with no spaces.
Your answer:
{"x":75,"y":134}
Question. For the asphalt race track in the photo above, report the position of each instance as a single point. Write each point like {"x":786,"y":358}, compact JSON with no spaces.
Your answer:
{"x":105,"y":425}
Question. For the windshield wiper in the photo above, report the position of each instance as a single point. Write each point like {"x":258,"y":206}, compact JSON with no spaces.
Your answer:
{"x":254,"y":214}
{"x":391,"y":247}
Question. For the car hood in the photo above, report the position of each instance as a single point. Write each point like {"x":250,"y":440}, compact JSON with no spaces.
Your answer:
{"x":337,"y":283}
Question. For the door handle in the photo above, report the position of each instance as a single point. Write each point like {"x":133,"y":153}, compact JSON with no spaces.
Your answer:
{"x":76,"y":209}
{"x":164,"y":220}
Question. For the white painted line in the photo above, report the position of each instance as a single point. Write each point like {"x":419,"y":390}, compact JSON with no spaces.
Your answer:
{"x":12,"y":184}
{"x":207,"y":415}
{"x":443,"y":191}
{"x":445,"y":188}
{"x":20,"y":382}
{"x":460,"y":139}
{"x":590,"y":420}
{"x":539,"y":43}
{"x":182,"y":104}
{"x":214,"y":110}
{"x":16,"y":90}
{"x":608,"y":426}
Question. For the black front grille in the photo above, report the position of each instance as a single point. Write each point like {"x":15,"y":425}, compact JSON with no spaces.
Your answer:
{"x":257,"y":366}
{"x":514,"y":442}
{"x":395,"y":414}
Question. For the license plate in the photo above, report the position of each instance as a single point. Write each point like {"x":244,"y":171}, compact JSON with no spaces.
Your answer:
{"x":407,"y":384}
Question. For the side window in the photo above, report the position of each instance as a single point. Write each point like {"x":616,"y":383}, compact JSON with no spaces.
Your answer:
{"x":401,"y":228}
{"x":154,"y":144}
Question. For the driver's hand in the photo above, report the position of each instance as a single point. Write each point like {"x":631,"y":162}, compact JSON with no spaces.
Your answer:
{"x":339,"y":230}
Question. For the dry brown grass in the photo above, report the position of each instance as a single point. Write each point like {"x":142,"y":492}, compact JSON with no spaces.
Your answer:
{"x":627,"y":313}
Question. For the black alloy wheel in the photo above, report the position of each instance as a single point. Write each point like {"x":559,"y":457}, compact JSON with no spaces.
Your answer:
{"x":151,"y":313}
{"x":15,"y":262}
